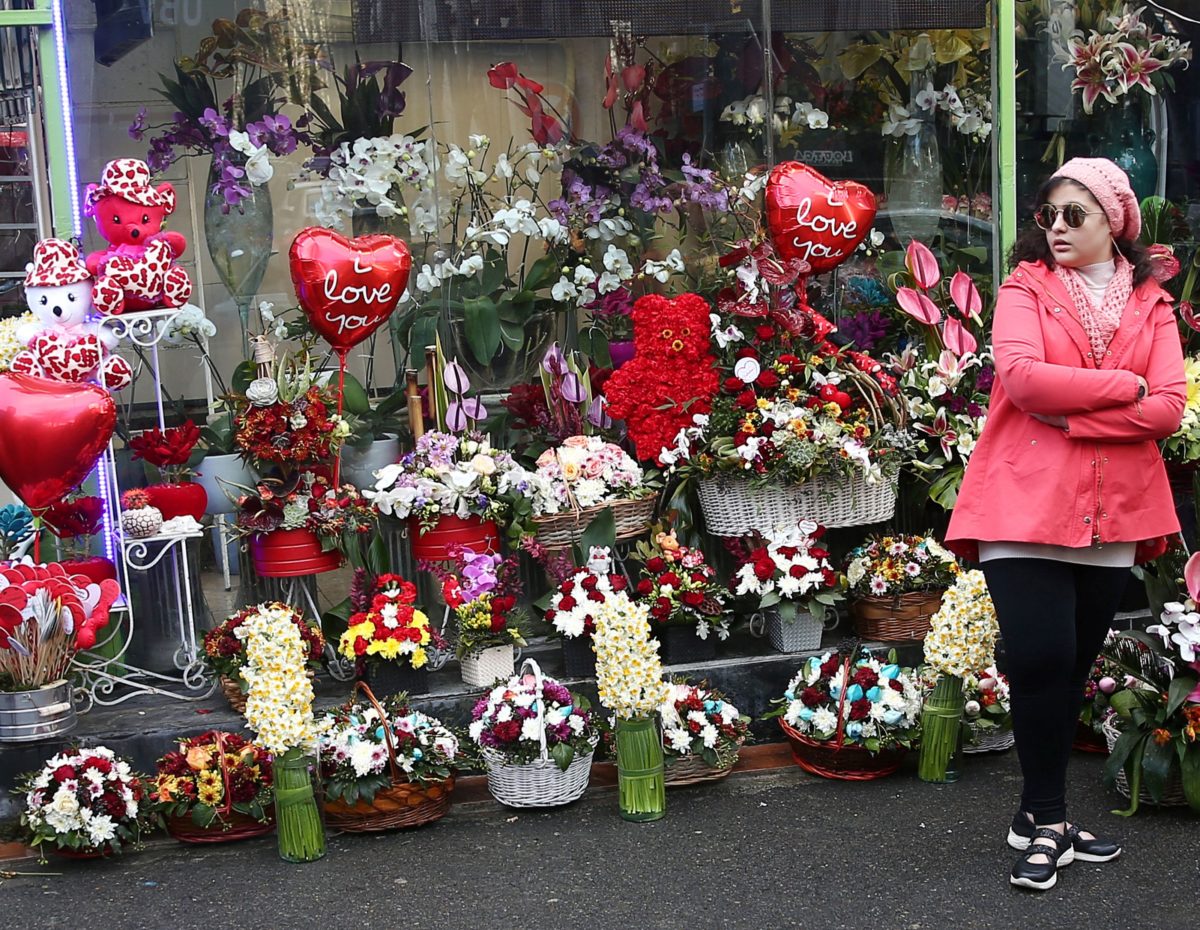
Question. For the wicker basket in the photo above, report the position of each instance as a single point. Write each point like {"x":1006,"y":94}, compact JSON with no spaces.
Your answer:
{"x":991,"y":739}
{"x":560,"y":530}
{"x":540,"y":783}
{"x":232,"y":827}
{"x":233,"y":694}
{"x":900,"y":618}
{"x":482,"y":669}
{"x":402,"y":804}
{"x":1173,"y":795}
{"x":732,"y":507}
{"x":693,"y":770}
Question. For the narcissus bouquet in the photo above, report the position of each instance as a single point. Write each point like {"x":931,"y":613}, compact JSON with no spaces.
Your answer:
{"x":505,"y":721}
{"x":790,"y":564}
{"x":885,"y":566}
{"x":680,"y":588}
{"x":698,"y":721}
{"x":585,"y":471}
{"x":628,"y":668}
{"x":572,"y":610}
{"x":391,"y":628}
{"x":354,"y":752}
{"x":86,"y":801}
{"x":225,"y":646}
{"x":482,"y":590}
{"x":212,"y":775}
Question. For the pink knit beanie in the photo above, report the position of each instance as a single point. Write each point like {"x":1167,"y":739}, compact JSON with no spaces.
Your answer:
{"x":1110,"y":186}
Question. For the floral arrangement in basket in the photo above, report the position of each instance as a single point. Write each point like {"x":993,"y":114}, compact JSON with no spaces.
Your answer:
{"x":505,"y":722}
{"x":482,"y":589}
{"x":389,"y":627}
{"x":225,"y":645}
{"x":214,"y":780}
{"x":573,"y":607}
{"x":87,"y":802}
{"x":988,"y":708}
{"x":789,"y":564}
{"x":701,"y":723}
{"x":680,"y":587}
{"x":887,"y":566}
{"x":1104,"y":681}
{"x":340,"y":517}
{"x":586,"y":471}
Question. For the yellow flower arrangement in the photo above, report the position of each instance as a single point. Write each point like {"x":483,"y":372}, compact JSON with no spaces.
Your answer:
{"x":628,"y":668}
{"x":280,"y":699}
{"x":9,"y":344}
{"x":962,"y":636}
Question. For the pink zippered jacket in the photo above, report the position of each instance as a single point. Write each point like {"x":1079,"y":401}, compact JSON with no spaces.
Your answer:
{"x":1100,"y":480}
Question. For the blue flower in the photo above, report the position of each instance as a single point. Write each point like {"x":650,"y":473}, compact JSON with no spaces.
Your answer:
{"x":790,"y":695}
{"x":854,"y":729}
{"x":806,"y":713}
{"x":874,"y":694}
{"x":890,"y":671}
{"x":892,"y":717}
{"x":417,"y":754}
{"x":709,"y":706}
{"x":854,"y":693}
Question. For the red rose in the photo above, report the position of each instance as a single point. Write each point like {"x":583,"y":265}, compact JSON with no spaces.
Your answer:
{"x":64,"y":773}
{"x":764,"y":569}
{"x":590,"y":582}
{"x":764,"y":332}
{"x":732,"y":385}
{"x":747,"y":400}
{"x":567,"y":586}
{"x":667,"y":578}
{"x":497,"y":623}
{"x":644,"y":587}
{"x":655,"y":564}
{"x":566,"y":602}
{"x":692,"y":598}
{"x":767,"y":380}
{"x":618,"y":582}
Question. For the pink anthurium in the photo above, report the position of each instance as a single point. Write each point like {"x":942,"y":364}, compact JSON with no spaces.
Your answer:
{"x":918,"y":306}
{"x":958,"y":338}
{"x":455,"y":378}
{"x":1191,"y":576}
{"x":965,"y":295}
{"x":1188,"y":314}
{"x":922,"y":265}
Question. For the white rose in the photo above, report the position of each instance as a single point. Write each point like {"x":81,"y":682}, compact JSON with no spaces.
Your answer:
{"x":483,"y":465}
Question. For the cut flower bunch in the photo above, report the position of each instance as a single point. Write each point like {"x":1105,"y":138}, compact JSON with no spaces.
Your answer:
{"x":790,"y":564}
{"x":225,"y":645}
{"x":573,"y":607}
{"x":680,"y":587}
{"x":482,"y":590}
{"x":583,"y":472}
{"x":391,"y":628}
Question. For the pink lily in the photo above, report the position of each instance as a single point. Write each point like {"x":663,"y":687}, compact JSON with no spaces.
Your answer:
{"x":957,"y":338}
{"x":922,"y":265}
{"x":965,"y":295}
{"x":1138,"y":65}
{"x":918,"y":306}
{"x":940,"y":428}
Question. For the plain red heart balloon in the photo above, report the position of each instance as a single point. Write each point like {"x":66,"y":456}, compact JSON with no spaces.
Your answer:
{"x":815,"y":219}
{"x":348,"y":287}
{"x":51,"y":434}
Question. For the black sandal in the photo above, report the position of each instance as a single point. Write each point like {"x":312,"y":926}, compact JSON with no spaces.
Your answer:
{"x":1096,"y":849}
{"x":1042,"y":876}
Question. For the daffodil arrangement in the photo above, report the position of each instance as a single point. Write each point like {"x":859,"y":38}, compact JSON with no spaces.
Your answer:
{"x":628,"y":668}
{"x":1183,"y":445}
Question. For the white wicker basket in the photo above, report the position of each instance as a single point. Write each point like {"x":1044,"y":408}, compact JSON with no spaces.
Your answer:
{"x":801,"y":634}
{"x":990,"y":739}
{"x":540,"y":783}
{"x":733,"y":508}
{"x":483,"y":668}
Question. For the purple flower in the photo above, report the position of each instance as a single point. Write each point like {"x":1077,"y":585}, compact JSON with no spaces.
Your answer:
{"x":987,"y":375}
{"x":161,"y":154}
{"x":866,"y":329}
{"x":137,"y":129}
{"x":614,"y":303}
{"x":214,"y":122}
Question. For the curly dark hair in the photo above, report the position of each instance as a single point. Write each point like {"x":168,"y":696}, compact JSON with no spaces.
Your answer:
{"x":1031,"y":245}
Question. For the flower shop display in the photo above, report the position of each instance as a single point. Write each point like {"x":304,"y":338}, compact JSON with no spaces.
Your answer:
{"x":795,"y":583}
{"x":86,"y":803}
{"x":385,"y":766}
{"x":1104,"y":680}
{"x":987,"y":712}
{"x":537,"y":739}
{"x":896,"y":584}
{"x":139,"y":518}
{"x":482,"y":588}
{"x":225,"y":647}
{"x":74,"y":521}
{"x":630,"y":684}
{"x":169,"y":451}
{"x":215,"y":788}
{"x":388,"y":638}
{"x":46,"y":616}
{"x":279,"y":709}
{"x":572,"y":609}
{"x":850,"y":718}
{"x":686,"y":602}
{"x":702,"y":734}
{"x":961,"y":640}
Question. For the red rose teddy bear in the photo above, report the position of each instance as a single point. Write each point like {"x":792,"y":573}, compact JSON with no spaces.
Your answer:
{"x":130,"y":215}
{"x":65,"y":343}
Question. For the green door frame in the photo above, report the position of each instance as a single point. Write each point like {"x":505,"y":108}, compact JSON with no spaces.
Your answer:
{"x":1004,"y":64}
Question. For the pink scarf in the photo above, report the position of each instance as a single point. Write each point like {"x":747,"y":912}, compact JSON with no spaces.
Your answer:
{"x":1099,"y":322}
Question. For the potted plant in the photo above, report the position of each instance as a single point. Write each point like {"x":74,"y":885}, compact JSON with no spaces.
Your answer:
{"x":374,"y":440}
{"x":16,"y":530}
{"x":896,"y":584}
{"x":74,"y":521}
{"x":225,"y":648}
{"x":385,"y":765}
{"x":702,"y":734}
{"x":572,"y":609}
{"x":796,"y":585}
{"x":47,"y":616}
{"x":388,"y":638}
{"x":167,"y":453}
{"x":536,"y":738}
{"x":86,"y":804}
{"x":215,"y":788}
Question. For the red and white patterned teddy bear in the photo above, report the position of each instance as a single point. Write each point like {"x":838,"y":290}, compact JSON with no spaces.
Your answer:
{"x":130,"y":214}
{"x":65,"y":343}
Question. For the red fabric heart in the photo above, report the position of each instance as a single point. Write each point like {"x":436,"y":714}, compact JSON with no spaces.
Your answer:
{"x":348,"y":287}
{"x":71,"y":359}
{"x":814,"y":219}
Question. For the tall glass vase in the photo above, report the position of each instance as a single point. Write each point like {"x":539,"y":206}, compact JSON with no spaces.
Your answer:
{"x":1120,"y":132}
{"x":641,"y":787}
{"x":913,"y":173}
{"x":299,"y":827}
{"x":239,"y":243}
{"x":941,"y":732}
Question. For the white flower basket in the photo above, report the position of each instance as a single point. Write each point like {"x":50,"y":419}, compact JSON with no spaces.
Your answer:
{"x":540,"y":783}
{"x":801,"y":634}
{"x":483,"y":668}
{"x":733,"y":508}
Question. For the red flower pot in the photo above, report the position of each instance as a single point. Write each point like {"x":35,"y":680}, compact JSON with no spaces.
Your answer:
{"x":290,"y":554}
{"x":186,"y":499}
{"x":95,"y":568}
{"x":434,"y":545}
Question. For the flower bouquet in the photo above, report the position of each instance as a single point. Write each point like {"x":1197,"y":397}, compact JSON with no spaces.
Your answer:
{"x":215,"y":788}
{"x":86,"y":803}
{"x":74,"y":521}
{"x":896,"y":583}
{"x":987,"y":712}
{"x":702,"y":734}
{"x":389,"y":639}
{"x":384,"y":765}
{"x":848,"y":718}
{"x":1103,"y":682}
{"x":961,"y":640}
{"x":686,"y":602}
{"x":795,"y":583}
{"x":225,"y":648}
{"x":572,"y":610}
{"x":537,"y":739}
{"x":169,"y":453}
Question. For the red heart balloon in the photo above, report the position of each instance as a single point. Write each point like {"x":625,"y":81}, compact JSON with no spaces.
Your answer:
{"x":348,"y":287}
{"x":51,"y":434}
{"x":815,"y":219}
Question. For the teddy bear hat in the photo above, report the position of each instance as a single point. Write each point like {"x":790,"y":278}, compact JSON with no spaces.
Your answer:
{"x":129,"y":179}
{"x":56,"y":262}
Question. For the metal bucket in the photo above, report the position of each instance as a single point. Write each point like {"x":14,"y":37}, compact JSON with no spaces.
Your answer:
{"x":27,"y":716}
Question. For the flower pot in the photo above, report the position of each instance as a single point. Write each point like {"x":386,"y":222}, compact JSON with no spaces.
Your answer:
{"x":359,"y":465}
{"x":218,"y":474}
{"x":96,"y":568}
{"x":388,"y":678}
{"x":482,"y":669}
{"x":43,"y":713}
{"x":186,"y":499}
{"x":681,"y":645}
{"x":579,"y":660}
{"x":793,"y":630}
{"x":291,"y":554}
{"x":434,"y":545}
{"x":621,"y":352}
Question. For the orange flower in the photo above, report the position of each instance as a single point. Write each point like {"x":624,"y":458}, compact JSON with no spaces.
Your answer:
{"x":1161,"y":736}
{"x":1192,"y":728}
{"x":199,"y":758}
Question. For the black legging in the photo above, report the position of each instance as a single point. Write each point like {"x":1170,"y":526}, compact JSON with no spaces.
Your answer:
{"x":1053,"y":618}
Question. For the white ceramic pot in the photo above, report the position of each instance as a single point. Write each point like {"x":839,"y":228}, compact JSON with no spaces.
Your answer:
{"x":218,"y":475}
{"x":359,"y":467}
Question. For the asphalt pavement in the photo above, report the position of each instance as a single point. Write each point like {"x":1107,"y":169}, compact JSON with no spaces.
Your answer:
{"x":764,"y":850}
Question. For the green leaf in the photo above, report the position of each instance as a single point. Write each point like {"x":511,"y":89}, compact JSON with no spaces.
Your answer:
{"x":482,"y":327}
{"x":1156,"y":764}
{"x":1181,"y":687}
{"x":335,"y":620}
{"x":1189,"y":766}
{"x":602,"y":531}
{"x":1123,"y":702}
{"x":1126,"y":743}
{"x":202,"y":815}
{"x":562,"y":754}
{"x":541,"y":273}
{"x":512,"y":335}
{"x":594,"y":344}
{"x":246,"y":372}
{"x":354,"y":397}
{"x":423,"y":333}
{"x":944,"y":490}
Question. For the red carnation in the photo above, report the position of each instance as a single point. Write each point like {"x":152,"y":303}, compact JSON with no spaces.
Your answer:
{"x":656,"y":564}
{"x":767,"y":380}
{"x":692,"y":598}
{"x":860,"y":709}
{"x":812,"y":697}
{"x":866,"y":677}
{"x":764,"y":332}
{"x":831,"y":665}
{"x":644,"y":587}
{"x":64,"y":773}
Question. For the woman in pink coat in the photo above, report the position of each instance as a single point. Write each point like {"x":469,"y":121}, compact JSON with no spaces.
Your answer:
{"x":1066,"y":490}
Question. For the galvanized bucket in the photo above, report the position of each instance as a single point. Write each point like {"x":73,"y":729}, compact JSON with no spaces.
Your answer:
{"x":26,"y":716}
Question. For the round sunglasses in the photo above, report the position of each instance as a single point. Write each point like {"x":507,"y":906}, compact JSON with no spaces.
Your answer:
{"x":1073,"y":215}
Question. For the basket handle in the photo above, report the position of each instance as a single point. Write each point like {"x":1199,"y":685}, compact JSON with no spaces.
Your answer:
{"x":575,"y":508}
{"x":538,"y":681}
{"x":227,"y":807}
{"x":383,"y":722}
{"x":841,"y":725}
